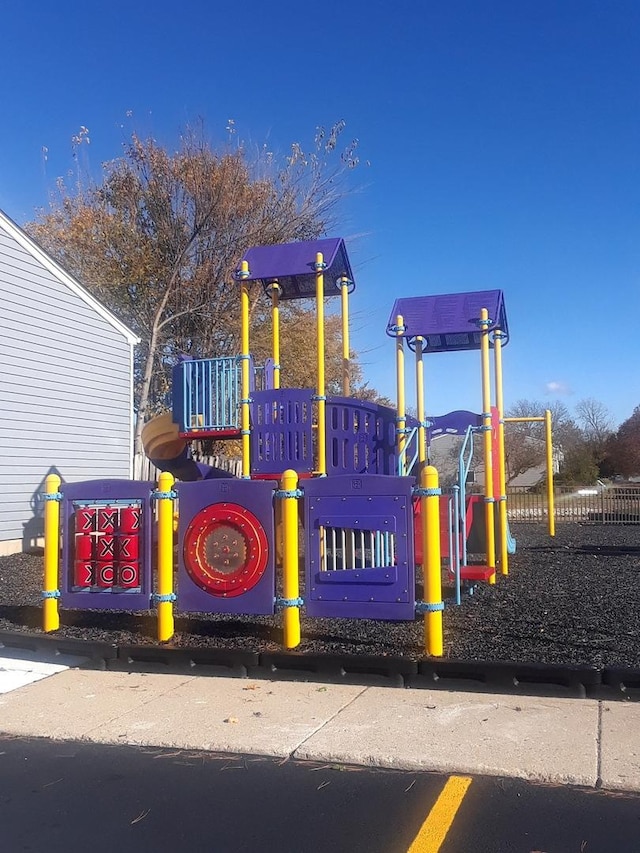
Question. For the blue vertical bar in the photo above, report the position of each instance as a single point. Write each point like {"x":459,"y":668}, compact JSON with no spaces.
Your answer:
{"x":213,"y":392}
{"x":231,"y":388}
{"x":185,"y":396}
{"x":219,"y":392}
{"x":456,"y":544}
{"x":224,"y":413}
{"x":233,"y":417}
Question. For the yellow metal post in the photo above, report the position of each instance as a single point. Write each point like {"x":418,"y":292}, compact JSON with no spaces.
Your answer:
{"x":245,"y":426}
{"x":422,"y":430}
{"x":320,"y":390}
{"x":401,"y":418}
{"x":550,"y":496}
{"x":346,"y":355}
{"x":502,"y":474}
{"x":490,"y":532}
{"x":430,"y":506}
{"x":50,"y":614}
{"x":291,"y":568}
{"x":275,"y":329}
{"x":546,"y":419}
{"x":164,"y":595}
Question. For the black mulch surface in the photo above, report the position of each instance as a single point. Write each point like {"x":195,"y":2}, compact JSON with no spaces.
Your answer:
{"x":574,"y":599}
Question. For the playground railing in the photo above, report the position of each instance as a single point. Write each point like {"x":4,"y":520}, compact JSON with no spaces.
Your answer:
{"x":206,"y":393}
{"x":588,"y":505}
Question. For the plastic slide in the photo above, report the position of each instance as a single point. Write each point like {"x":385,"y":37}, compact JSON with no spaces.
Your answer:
{"x":168,"y":452}
{"x":511,"y":542}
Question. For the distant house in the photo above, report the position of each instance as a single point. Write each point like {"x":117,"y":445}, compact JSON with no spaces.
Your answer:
{"x":66,"y":385}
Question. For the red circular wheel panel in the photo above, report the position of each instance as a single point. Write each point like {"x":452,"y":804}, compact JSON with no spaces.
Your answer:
{"x":225,"y":550}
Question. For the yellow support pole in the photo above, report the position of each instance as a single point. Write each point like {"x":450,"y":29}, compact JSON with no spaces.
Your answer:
{"x":164,"y":594}
{"x":275,"y":353}
{"x":291,"y":567}
{"x":275,"y":328}
{"x":550,"y":496}
{"x":490,"y":532}
{"x":546,"y":419}
{"x":422,"y":430}
{"x":502,"y":474}
{"x":401,"y":418}
{"x":346,"y":355}
{"x":245,"y":426}
{"x":320,"y":390}
{"x":430,"y":500}
{"x":50,"y":593}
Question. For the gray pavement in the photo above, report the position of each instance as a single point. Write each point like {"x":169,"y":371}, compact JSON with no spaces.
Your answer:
{"x":583,"y":742}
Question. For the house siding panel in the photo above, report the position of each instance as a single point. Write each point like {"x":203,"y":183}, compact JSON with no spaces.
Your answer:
{"x":65,"y":388}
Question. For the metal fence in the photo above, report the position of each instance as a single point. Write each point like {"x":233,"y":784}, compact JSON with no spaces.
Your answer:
{"x":608,"y":505}
{"x":602,"y":505}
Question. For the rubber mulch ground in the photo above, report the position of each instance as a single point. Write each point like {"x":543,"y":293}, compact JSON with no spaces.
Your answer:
{"x":574,"y":599}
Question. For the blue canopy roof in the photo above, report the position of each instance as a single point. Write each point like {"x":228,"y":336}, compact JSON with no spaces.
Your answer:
{"x":449,"y":323}
{"x":292,"y":265}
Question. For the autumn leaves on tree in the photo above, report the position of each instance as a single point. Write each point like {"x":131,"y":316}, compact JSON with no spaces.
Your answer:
{"x":158,"y":237}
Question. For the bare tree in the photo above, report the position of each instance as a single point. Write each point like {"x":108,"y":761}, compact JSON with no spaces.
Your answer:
{"x":525,"y":445}
{"x":158,"y":239}
{"x":596,"y":422}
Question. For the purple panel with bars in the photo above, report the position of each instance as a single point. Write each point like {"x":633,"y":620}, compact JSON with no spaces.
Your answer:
{"x":293,"y":266}
{"x":361,"y":437}
{"x":449,"y":322}
{"x":282,"y":431}
{"x":256,"y":498}
{"x":107,"y":552}
{"x":359,"y":547}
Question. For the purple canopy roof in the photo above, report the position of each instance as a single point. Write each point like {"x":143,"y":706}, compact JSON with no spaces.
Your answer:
{"x":293,"y":266}
{"x":450,"y":322}
{"x":453,"y":423}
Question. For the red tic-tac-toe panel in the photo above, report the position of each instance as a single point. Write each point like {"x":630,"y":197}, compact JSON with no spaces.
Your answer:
{"x":86,"y":520}
{"x":130,"y":519}
{"x":84,"y":547}
{"x":128,"y":575}
{"x":105,"y":550}
{"x":108,"y":519}
{"x":107,"y":544}
{"x":83,"y":573}
{"x":127,"y":548}
{"x":105,"y":575}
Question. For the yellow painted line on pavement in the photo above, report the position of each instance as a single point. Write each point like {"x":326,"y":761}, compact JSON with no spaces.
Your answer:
{"x":434,"y":830}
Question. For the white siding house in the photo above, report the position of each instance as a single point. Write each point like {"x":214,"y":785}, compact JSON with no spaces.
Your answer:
{"x":66,"y":385}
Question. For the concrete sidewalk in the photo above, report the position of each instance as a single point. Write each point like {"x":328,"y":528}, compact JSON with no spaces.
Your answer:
{"x":568,"y":741}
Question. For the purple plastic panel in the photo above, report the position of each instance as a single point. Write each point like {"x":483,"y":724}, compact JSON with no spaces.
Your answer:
{"x":449,"y":322}
{"x":293,"y":266}
{"x":361,"y":437}
{"x":257,"y":498}
{"x":359,"y":547}
{"x":453,"y":423}
{"x":281,"y":431}
{"x":111,"y":498}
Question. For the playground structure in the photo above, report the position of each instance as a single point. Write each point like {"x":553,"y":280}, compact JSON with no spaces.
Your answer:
{"x":337,"y":467}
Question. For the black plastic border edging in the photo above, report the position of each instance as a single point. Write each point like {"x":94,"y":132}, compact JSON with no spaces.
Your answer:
{"x":509,"y":678}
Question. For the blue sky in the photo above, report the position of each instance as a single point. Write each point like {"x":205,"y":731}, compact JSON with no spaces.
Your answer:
{"x":503,"y":140}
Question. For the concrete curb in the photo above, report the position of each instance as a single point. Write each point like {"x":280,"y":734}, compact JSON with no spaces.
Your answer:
{"x":507,"y":678}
